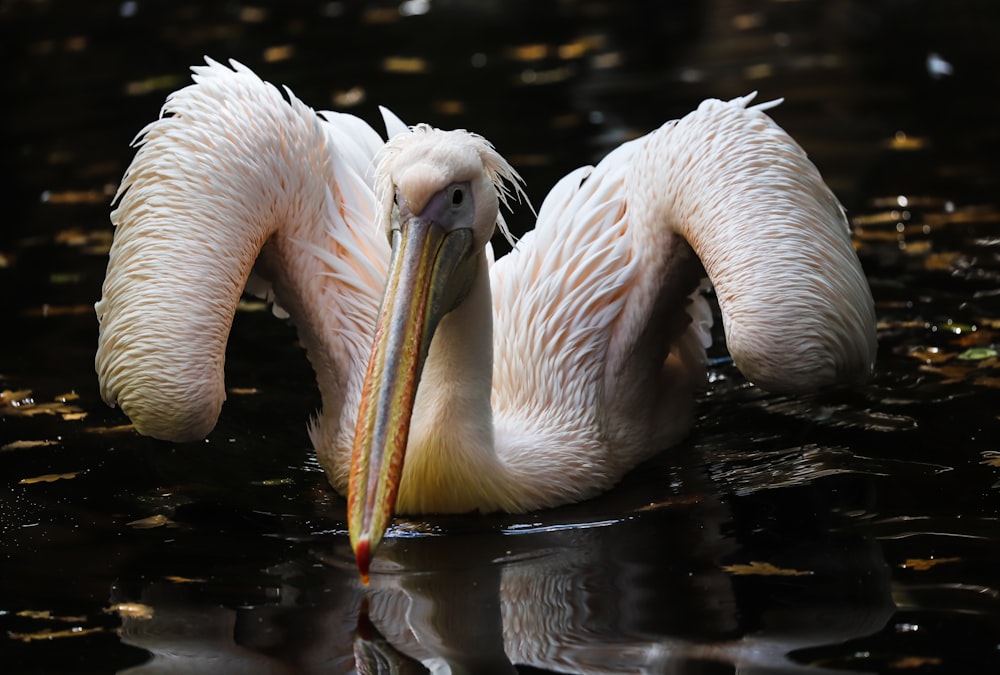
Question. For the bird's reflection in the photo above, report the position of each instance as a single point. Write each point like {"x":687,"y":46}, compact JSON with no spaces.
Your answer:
{"x":575,"y":590}
{"x":373,"y":654}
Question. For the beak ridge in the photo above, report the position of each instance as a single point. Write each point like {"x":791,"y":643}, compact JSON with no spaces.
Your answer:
{"x":424,"y":260}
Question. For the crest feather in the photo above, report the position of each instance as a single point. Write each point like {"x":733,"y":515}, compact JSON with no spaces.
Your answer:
{"x":505,"y":179}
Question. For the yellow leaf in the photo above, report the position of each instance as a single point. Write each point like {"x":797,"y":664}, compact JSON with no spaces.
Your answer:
{"x":404,"y":64}
{"x":132,"y":610}
{"x":185,"y":580}
{"x":35,"y":614}
{"x":21,"y":404}
{"x":9,"y":396}
{"x":49,"y":478}
{"x":941,"y":262}
{"x":46,"y":614}
{"x":764,"y":569}
{"x":149,"y":523}
{"x":924,"y":564}
{"x":951,"y":374}
{"x":46,"y":634}
{"x":991,"y":458}
{"x":24,"y":445}
{"x":929,"y":354}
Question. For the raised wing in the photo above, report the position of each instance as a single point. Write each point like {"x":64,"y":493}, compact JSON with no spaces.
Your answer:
{"x":595,"y":310}
{"x":560,"y":299}
{"x":232,"y":171}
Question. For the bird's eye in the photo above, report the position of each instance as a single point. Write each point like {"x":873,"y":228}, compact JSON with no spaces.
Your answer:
{"x":457,"y":197}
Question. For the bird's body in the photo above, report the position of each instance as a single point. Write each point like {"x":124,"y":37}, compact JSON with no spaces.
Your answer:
{"x":548,"y":373}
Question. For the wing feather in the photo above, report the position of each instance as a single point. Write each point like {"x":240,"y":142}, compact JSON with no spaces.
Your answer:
{"x":556,"y":297}
{"x":232,"y":169}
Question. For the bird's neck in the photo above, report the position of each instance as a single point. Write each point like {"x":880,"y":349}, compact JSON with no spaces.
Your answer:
{"x":451,"y":464}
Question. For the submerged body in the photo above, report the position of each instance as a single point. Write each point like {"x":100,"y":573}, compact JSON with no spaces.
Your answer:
{"x":532,"y":381}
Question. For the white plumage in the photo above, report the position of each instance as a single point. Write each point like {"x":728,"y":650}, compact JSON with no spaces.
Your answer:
{"x":558,"y":367}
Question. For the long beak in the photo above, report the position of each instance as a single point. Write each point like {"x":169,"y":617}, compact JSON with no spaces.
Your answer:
{"x":417,"y":295}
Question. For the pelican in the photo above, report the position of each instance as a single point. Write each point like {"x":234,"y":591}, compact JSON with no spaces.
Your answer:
{"x":452,"y":382}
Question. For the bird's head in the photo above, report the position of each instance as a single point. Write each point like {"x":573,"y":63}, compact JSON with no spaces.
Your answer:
{"x":438,"y":195}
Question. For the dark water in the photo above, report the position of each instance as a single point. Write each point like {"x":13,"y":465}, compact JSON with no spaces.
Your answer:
{"x":856,"y":530}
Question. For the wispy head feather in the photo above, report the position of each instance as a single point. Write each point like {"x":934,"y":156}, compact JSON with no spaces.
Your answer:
{"x":421,"y":142}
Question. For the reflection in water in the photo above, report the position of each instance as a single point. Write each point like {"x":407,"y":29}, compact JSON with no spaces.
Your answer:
{"x":590,"y":596}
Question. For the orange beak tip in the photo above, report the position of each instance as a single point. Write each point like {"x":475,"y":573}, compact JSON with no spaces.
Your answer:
{"x":363,"y":555}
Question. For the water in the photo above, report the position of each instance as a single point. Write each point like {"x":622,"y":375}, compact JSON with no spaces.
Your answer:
{"x":853,"y":530}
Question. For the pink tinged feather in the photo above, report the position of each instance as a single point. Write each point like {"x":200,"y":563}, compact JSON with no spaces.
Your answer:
{"x":230,"y":168}
{"x":796,"y":306}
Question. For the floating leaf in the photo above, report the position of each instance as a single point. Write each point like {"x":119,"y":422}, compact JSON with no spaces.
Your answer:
{"x":404,"y":64}
{"x":951,"y":374}
{"x":940,"y":262}
{"x":120,"y":428}
{"x":956,"y":328}
{"x":35,"y":614}
{"x":132,"y":610}
{"x":991,"y":458}
{"x":924,"y":564}
{"x":65,"y":277}
{"x":15,"y":397}
{"x":273,"y":482}
{"x":757,"y":568}
{"x":914,"y":662}
{"x":47,"y":615}
{"x":185,"y":580}
{"x":149,"y":523}
{"x":46,"y":311}
{"x":49,"y":478}
{"x":76,"y":631}
{"x":908,"y":324}
{"x":981,"y":338}
{"x":151,"y":84}
{"x":993,"y":382}
{"x":929,"y":354}
{"x":251,"y":306}
{"x":20,"y":403}
{"x":24,"y":445}
{"x":676,"y":500}
{"x":977,"y":354}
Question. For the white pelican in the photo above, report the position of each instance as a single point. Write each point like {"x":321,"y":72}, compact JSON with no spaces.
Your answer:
{"x":533,"y":381}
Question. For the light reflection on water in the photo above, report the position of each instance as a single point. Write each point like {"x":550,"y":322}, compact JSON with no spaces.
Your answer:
{"x":233,"y":551}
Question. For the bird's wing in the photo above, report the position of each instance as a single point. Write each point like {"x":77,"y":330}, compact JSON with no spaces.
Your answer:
{"x":233,"y":169}
{"x":559,"y":298}
{"x":796,"y":307}
{"x":597,"y":326}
